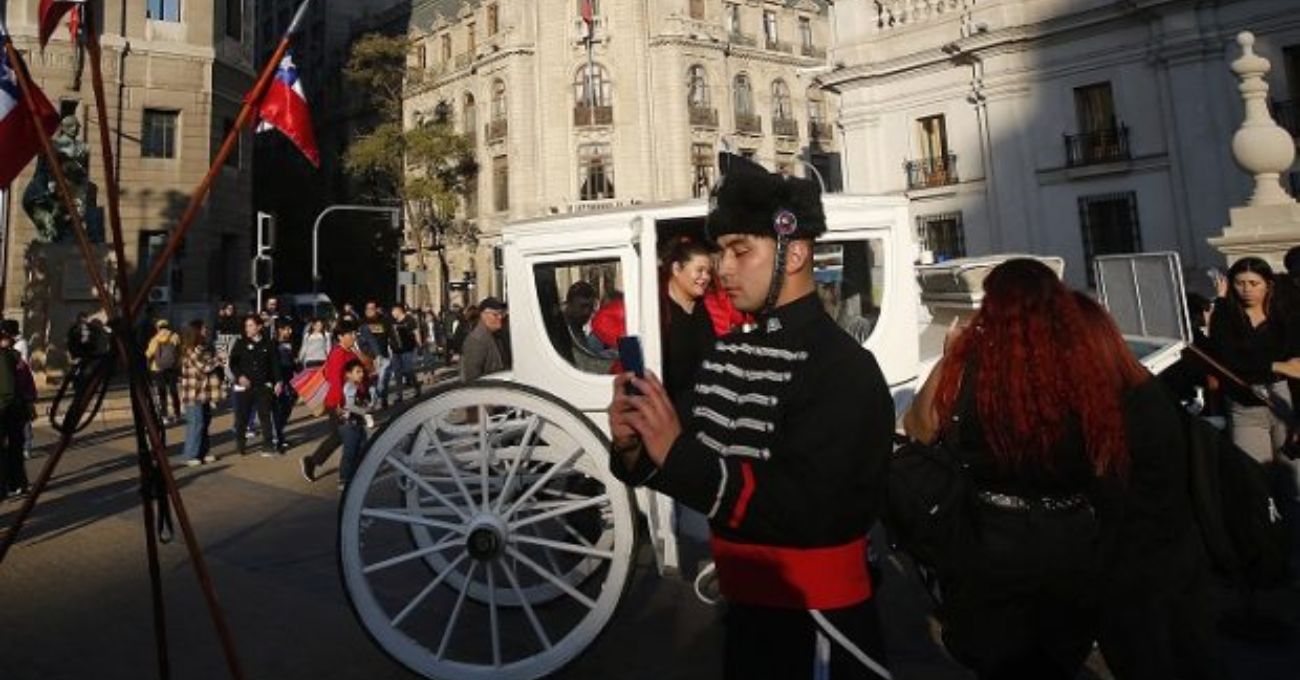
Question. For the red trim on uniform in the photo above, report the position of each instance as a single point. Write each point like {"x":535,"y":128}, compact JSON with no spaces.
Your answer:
{"x":793,"y":578}
{"x":746,"y":493}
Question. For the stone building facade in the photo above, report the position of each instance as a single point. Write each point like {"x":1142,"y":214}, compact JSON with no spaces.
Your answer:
{"x":1068,"y":127}
{"x":175,"y":75}
{"x":668,"y":83}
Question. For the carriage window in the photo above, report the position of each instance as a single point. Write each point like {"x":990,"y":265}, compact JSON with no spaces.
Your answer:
{"x":851,"y":282}
{"x":582,"y":308}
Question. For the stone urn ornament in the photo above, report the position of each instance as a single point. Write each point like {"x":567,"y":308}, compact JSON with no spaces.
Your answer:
{"x":1261,"y":147}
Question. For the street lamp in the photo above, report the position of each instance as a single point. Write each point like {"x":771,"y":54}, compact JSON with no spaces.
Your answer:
{"x":394,"y":214}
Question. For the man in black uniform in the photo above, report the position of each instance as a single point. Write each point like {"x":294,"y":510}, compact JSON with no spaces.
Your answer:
{"x":257,"y":380}
{"x":783,"y":443}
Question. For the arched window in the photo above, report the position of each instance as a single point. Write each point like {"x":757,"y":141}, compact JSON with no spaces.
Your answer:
{"x":697,"y":88}
{"x":744,"y":96}
{"x":498,"y":100}
{"x":782,"y":108}
{"x":591,"y":86}
{"x":470,"y":114}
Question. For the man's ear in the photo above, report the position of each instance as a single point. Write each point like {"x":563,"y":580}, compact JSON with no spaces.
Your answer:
{"x":798,"y":256}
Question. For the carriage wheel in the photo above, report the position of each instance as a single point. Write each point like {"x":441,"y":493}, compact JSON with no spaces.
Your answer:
{"x":483,"y":535}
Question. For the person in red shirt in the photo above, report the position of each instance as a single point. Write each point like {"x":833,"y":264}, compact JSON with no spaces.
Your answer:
{"x":344,"y":351}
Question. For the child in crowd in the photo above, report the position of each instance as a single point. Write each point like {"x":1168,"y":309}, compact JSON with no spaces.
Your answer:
{"x":354,"y":418}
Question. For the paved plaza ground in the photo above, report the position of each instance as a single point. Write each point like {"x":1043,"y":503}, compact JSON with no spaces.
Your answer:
{"x":74,"y":598}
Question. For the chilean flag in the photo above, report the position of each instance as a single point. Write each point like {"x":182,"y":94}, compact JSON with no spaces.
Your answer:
{"x":51,"y":11}
{"x":589,"y":17}
{"x":19,"y":142}
{"x":284,"y":108}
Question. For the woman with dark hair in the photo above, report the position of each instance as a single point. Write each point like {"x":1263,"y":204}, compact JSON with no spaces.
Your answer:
{"x":202,"y":389}
{"x":688,"y":327}
{"x":1073,"y":456}
{"x":1260,"y":345}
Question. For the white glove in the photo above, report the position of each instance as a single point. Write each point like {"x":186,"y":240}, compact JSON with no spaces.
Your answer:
{"x":370,"y":422}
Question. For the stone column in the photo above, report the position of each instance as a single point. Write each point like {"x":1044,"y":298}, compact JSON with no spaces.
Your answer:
{"x":1269,"y":224}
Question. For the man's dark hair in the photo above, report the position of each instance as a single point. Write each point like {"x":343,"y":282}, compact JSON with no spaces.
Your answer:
{"x":400,"y":305}
{"x":580,"y":291}
{"x":1292,"y":261}
{"x":256,"y":318}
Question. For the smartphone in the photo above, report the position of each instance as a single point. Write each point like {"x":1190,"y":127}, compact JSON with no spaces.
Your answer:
{"x":633,"y":360}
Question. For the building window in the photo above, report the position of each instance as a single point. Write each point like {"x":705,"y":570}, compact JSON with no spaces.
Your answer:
{"x":422,"y":57}
{"x":471,"y":118}
{"x":1101,"y":139}
{"x":1094,"y":107}
{"x":817,"y":128}
{"x":933,"y":136}
{"x":1109,"y":224}
{"x":942,"y":236}
{"x":703,"y":165}
{"x":235,"y":158}
{"x":769,"y":28}
{"x":501,"y":183}
{"x":936,"y":166}
{"x":697,"y":88}
{"x":163,"y":10}
{"x":235,"y":19}
{"x":158,"y":137}
{"x":446,"y":48}
{"x":471,"y":31}
{"x":733,"y":18}
{"x":782,"y":108}
{"x":498,"y":100}
{"x":595,"y":172}
{"x":744,"y":96}
{"x":591,"y":86}
{"x":697,"y":9}
{"x":471,"y":198}
{"x":493,"y":19}
{"x":806,"y":34}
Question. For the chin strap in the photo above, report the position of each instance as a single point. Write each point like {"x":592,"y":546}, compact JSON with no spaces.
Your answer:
{"x":778,"y":276}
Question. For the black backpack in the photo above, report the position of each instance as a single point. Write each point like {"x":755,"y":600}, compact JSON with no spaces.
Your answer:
{"x":1240,"y":522}
{"x":925,"y":507}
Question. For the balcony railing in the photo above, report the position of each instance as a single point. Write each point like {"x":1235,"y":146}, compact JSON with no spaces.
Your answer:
{"x":778,"y":46}
{"x":742,"y":39}
{"x":1098,"y":146}
{"x":785,"y":127}
{"x":588,"y":116}
{"x":496,"y":130}
{"x":1287,"y":114}
{"x":702,"y":117}
{"x":927,"y":173}
{"x":749,"y":123}
{"x":812,"y":51}
{"x":821,"y":132}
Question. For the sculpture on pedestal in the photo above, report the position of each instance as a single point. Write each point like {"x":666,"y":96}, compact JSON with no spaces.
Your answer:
{"x":41,"y":200}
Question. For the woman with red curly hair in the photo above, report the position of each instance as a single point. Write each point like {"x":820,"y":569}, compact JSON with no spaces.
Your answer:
{"x":1076,"y":463}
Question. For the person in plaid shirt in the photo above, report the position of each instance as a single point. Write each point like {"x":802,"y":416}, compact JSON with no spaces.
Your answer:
{"x":201,"y":390}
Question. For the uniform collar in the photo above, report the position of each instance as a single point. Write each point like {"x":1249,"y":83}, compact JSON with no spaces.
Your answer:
{"x":792,"y":315}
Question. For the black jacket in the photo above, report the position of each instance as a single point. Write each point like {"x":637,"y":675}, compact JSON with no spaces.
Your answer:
{"x":255,"y":360}
{"x":787,"y":434}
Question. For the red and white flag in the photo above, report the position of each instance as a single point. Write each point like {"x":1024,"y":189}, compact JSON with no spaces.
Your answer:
{"x":51,"y":11}
{"x":19,"y":134}
{"x":284,"y":108}
{"x":589,"y":17}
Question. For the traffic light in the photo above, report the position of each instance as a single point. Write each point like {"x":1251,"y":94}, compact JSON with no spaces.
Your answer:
{"x":263,"y":272}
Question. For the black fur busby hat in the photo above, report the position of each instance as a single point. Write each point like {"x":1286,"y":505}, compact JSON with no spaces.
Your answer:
{"x":750,"y":200}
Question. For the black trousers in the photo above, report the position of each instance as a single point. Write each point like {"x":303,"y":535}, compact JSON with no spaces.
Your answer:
{"x":328,"y":445}
{"x":790,"y":644}
{"x":13,"y":422}
{"x":1023,"y":602}
{"x":165,"y":384}
{"x":259,"y":397}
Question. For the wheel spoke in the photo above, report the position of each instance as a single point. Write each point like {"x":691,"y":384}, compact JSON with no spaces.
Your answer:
{"x":563,"y":547}
{"x":406,"y":557}
{"x":415,"y":602}
{"x":427,"y":487}
{"x":408,"y":518}
{"x":526,"y":452}
{"x":550,"y":559}
{"x":485,"y":454}
{"x":562,"y":510}
{"x":492,"y":616}
{"x":455,"y":611}
{"x":577,"y":535}
{"x":555,"y":580}
{"x":528,"y":608}
{"x":455,"y":471}
{"x":541,"y":483}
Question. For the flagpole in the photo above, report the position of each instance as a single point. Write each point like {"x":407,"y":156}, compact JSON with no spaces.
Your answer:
{"x":227,"y":147}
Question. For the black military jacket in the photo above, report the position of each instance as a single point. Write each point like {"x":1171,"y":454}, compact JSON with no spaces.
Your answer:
{"x":786,"y":435}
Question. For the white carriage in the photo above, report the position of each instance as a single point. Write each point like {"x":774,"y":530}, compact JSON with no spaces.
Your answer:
{"x":483,"y":535}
